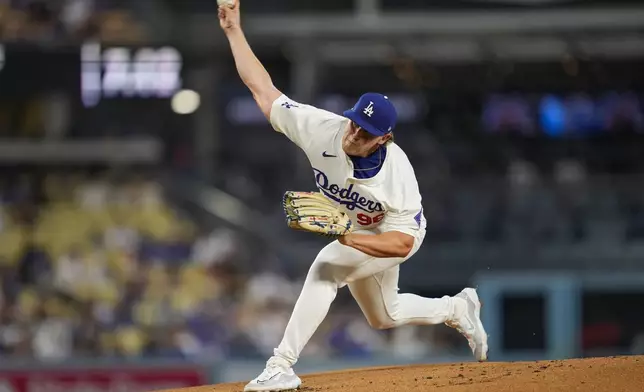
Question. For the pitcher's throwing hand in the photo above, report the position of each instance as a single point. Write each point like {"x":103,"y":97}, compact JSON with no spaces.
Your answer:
{"x":229,"y":15}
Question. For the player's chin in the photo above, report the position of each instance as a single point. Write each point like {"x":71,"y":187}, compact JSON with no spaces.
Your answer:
{"x":348,"y":149}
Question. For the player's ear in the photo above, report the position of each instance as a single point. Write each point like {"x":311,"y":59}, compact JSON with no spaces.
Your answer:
{"x":385,"y":138}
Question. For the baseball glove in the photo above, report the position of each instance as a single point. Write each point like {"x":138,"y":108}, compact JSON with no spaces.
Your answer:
{"x":311,"y":211}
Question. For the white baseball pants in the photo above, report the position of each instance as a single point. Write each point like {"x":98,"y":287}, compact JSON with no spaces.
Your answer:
{"x":373,"y":282}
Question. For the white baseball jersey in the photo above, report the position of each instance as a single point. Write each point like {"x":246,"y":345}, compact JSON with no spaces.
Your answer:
{"x":386,"y":202}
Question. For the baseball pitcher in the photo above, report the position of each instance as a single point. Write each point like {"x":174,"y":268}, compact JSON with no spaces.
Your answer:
{"x":368,"y":201}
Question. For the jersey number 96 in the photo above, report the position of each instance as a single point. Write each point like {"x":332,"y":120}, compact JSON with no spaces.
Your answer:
{"x":366,"y":220}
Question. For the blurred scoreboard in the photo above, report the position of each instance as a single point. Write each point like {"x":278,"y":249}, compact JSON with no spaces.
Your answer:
{"x":89,"y":90}
{"x":91,"y":72}
{"x":113,"y":72}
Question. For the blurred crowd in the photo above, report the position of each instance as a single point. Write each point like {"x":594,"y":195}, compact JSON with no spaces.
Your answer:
{"x":93,"y":266}
{"x":567,"y":205}
{"x":103,"y":265}
{"x":57,"y":20}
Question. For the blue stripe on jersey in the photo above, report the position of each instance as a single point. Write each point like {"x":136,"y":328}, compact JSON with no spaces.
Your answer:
{"x":417,"y":217}
{"x":369,"y":166}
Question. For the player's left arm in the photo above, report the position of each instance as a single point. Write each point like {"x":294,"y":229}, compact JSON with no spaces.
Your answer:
{"x":388,"y":244}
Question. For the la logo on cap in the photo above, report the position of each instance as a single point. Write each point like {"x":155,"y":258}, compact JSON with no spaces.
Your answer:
{"x":369,"y":109}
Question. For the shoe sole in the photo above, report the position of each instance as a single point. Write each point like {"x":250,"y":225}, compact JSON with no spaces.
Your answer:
{"x":268,"y":388}
{"x":474,"y":297}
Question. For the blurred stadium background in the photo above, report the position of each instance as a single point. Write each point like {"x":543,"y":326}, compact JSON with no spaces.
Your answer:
{"x":142,"y":242}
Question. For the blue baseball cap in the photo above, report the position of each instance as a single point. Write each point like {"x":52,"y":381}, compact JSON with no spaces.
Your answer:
{"x":374,"y":113}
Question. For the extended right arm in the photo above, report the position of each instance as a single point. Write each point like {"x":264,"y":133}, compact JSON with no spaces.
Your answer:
{"x":250,"y":69}
{"x":304,"y":125}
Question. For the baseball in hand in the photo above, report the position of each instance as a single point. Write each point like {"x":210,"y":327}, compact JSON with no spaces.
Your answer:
{"x":226,"y":2}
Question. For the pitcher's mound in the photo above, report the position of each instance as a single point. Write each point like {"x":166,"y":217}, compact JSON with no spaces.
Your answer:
{"x":612,"y":374}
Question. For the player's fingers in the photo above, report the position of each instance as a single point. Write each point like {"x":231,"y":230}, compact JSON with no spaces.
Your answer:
{"x":230,"y":6}
{"x":224,"y":11}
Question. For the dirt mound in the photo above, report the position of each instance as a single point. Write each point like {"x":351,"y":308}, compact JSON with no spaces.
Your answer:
{"x":614,"y":374}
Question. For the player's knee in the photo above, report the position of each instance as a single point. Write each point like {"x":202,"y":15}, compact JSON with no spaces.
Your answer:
{"x":384,"y":318}
{"x":381,"y":323}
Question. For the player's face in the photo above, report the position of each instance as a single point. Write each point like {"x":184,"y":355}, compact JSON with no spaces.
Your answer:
{"x":360,"y":143}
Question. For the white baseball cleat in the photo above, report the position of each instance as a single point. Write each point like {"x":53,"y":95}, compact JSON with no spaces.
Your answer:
{"x":469,"y":324}
{"x":278,"y":376}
